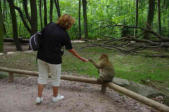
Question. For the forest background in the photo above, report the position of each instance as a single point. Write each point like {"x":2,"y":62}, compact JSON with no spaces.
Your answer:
{"x":94,"y":18}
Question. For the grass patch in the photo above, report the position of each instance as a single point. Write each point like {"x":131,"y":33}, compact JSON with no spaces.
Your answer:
{"x":3,"y":75}
{"x":131,"y":67}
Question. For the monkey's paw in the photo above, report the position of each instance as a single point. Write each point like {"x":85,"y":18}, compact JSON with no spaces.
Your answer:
{"x":90,"y":60}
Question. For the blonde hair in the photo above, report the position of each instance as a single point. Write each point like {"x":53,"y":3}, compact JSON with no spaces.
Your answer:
{"x":66,"y":21}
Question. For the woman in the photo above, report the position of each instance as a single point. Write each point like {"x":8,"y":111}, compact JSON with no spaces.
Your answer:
{"x":54,"y":37}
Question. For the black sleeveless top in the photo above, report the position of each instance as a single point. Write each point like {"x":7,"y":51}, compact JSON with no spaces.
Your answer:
{"x":53,"y":39}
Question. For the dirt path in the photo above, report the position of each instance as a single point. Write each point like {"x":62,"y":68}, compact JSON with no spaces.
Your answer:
{"x":79,"y":97}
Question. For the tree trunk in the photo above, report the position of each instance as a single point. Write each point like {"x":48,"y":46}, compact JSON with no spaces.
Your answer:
{"x":51,"y":10}
{"x":14,"y":25}
{"x":159,"y":17}
{"x":45,"y":13}
{"x":84,"y":2}
{"x":57,"y":7}
{"x":136,"y":16}
{"x":25,"y":6}
{"x":4,"y":13}
{"x":34,"y":21}
{"x":150,"y":17}
{"x":79,"y":19}
{"x":40,"y":13}
{"x":1,"y":29}
{"x":23,"y":20}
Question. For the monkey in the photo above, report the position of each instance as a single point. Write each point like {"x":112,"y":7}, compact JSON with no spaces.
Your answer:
{"x":105,"y":69}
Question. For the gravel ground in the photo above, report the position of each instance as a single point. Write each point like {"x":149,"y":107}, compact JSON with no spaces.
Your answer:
{"x":20,"y":95}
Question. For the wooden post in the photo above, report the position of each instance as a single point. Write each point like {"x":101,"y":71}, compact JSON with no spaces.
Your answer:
{"x":10,"y":77}
{"x":103,"y":88}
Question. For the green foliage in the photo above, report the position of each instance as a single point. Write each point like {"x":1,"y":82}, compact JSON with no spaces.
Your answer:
{"x":3,"y":75}
{"x":1,"y":32}
{"x":100,"y":13}
{"x":131,"y":67}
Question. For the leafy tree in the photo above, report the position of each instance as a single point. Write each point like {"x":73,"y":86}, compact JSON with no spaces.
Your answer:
{"x":45,"y":13}
{"x":98,"y":16}
{"x":1,"y":29}
{"x":34,"y":22}
{"x":84,"y":2}
{"x":79,"y":20}
{"x":159,"y":16}
{"x":14,"y":25}
{"x":150,"y":16}
{"x":51,"y":10}
{"x":57,"y":7}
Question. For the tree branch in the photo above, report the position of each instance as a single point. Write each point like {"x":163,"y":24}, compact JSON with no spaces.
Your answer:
{"x":22,"y":17}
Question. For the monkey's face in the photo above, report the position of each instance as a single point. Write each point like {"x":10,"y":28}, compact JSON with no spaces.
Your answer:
{"x":103,"y":56}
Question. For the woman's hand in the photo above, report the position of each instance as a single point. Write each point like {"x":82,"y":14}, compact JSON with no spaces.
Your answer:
{"x":83,"y":59}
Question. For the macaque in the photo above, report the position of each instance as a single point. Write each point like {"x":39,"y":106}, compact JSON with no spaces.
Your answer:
{"x":105,"y":68}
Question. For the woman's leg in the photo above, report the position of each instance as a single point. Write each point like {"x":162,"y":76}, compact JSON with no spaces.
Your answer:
{"x":43,"y":76}
{"x":55,"y":91}
{"x":40,"y":89}
{"x":55,"y":70}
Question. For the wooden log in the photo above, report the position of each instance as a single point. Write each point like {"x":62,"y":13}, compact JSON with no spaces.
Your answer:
{"x":10,"y":77}
{"x":18,"y":71}
{"x":127,"y":92}
{"x":79,"y":79}
{"x":140,"y":98}
{"x":20,"y":39}
{"x":64,"y":77}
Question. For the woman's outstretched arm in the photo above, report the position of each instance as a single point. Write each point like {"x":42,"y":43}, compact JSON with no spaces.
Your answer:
{"x":73,"y":51}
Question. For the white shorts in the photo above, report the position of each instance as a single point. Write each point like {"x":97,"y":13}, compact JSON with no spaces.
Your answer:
{"x":45,"y":68}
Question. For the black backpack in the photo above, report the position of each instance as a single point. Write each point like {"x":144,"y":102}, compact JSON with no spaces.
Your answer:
{"x":34,"y":41}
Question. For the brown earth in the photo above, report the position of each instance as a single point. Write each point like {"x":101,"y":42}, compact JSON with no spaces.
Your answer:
{"x":20,"y":95}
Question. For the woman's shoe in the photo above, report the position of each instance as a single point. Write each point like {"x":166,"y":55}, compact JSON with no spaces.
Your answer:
{"x":39,"y":100}
{"x":56,"y":99}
